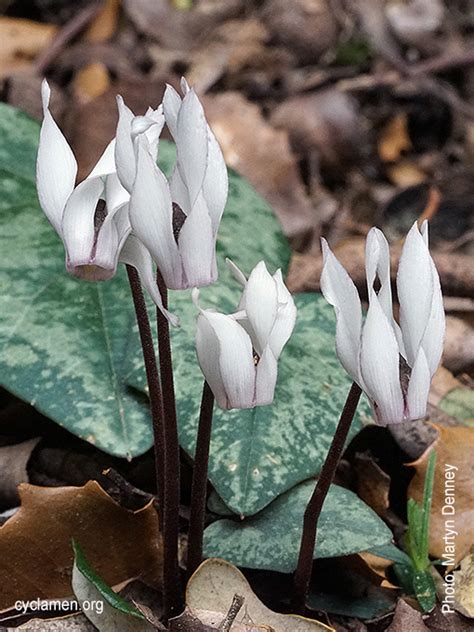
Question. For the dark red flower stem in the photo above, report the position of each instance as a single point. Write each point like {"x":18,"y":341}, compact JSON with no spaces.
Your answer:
{"x":172,"y":592}
{"x":153,"y":380}
{"x":199,"y":485}
{"x":313,"y":509}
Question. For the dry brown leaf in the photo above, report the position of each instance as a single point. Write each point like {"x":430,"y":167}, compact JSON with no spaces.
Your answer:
{"x":35,"y":543}
{"x":197,"y":620}
{"x":464,"y":586}
{"x":407,"y":619}
{"x":105,"y":23}
{"x":394,"y":139}
{"x":213,"y":586}
{"x":91,"y":81}
{"x":262,"y":154}
{"x":13,"y":462}
{"x":443,"y":382}
{"x":406,"y":174}
{"x":20,"y":42}
{"x":454,"y":447}
{"x":373,"y":484}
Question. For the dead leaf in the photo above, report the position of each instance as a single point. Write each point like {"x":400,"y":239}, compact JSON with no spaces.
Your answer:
{"x":194,"y":620}
{"x":91,"y":81}
{"x":20,"y":42}
{"x":35,"y":543}
{"x":234,"y":45}
{"x":394,"y":139}
{"x":13,"y":462}
{"x":464,"y":586}
{"x":262,"y":154}
{"x":407,"y":619}
{"x":454,"y":447}
{"x":326,"y":122}
{"x":213,"y":586}
{"x":406,"y":174}
{"x":373,"y":484}
{"x":307,"y":27}
{"x":105,"y":23}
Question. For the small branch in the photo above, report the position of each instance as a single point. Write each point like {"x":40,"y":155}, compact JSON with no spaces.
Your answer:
{"x":235,"y":606}
{"x":313,"y":510}
{"x":199,"y":485}
{"x":172,"y":594}
{"x":69,"y":31}
{"x":154,"y":387}
{"x":126,"y":488}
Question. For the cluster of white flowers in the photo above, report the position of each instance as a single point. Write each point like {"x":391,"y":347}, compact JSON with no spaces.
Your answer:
{"x":127,"y":210}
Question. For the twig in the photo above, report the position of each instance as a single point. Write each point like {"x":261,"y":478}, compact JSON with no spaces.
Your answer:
{"x":124,"y":486}
{"x":199,"y":485}
{"x":313,"y":510}
{"x":154,"y":387}
{"x":235,"y":606}
{"x":172,"y":593}
{"x":68,"y":32}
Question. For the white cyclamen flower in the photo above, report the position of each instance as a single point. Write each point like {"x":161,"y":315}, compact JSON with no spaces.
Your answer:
{"x":91,"y":218}
{"x":393,"y":364}
{"x":238,"y":353}
{"x":178,"y":220}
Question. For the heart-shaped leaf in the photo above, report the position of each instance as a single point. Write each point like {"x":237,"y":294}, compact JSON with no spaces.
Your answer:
{"x":271,"y":539}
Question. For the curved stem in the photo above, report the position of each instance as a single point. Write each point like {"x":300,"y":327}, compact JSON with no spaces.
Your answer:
{"x":153,"y":380}
{"x":172,"y":593}
{"x":313,"y":509}
{"x":199,"y":485}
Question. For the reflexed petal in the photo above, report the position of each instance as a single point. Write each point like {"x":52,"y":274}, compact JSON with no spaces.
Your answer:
{"x":197,"y":247}
{"x":418,"y":387}
{"x":379,"y":364}
{"x":153,"y":134}
{"x":339,"y":290}
{"x":267,"y":373}
{"x":56,"y":167}
{"x":78,"y":222}
{"x":124,"y":150}
{"x":415,"y":291}
{"x":106,"y":249}
{"x":260,"y":301}
{"x":106,"y":163}
{"x":191,"y":144}
{"x":286,"y":317}
{"x":208,"y":350}
{"x":151,"y":216}
{"x":184,"y":85}
{"x":236,"y":364}
{"x":115,"y":194}
{"x":216,"y":183}
{"x":179,"y":192}
{"x":171,"y":105}
{"x":135,"y":254}
{"x":433,"y":337}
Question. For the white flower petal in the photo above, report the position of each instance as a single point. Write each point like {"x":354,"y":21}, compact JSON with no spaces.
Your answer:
{"x":184,"y":85}
{"x":267,"y":373}
{"x":216,"y":183}
{"x":339,"y":290}
{"x":237,"y":273}
{"x":106,"y":163}
{"x":415,"y":288}
{"x":208,"y":352}
{"x":379,"y":364}
{"x":150,"y":212}
{"x":154,"y":132}
{"x":135,"y":254}
{"x":192,"y":144}
{"x":260,"y":301}
{"x":124,"y":149}
{"x":56,"y":167}
{"x":236,"y":368}
{"x":418,"y":387}
{"x":78,"y":222}
{"x":286,"y":317}
{"x":115,"y":194}
{"x":197,"y":247}
{"x":179,"y":192}
{"x":171,"y":105}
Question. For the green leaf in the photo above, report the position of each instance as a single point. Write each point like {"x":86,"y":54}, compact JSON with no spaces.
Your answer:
{"x":63,"y":343}
{"x":425,"y":589}
{"x":392,"y":553}
{"x":271,"y":539}
{"x":427,"y":500}
{"x":373,"y":604}
{"x":258,"y":454}
{"x":459,"y":403}
{"x":102,"y":606}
